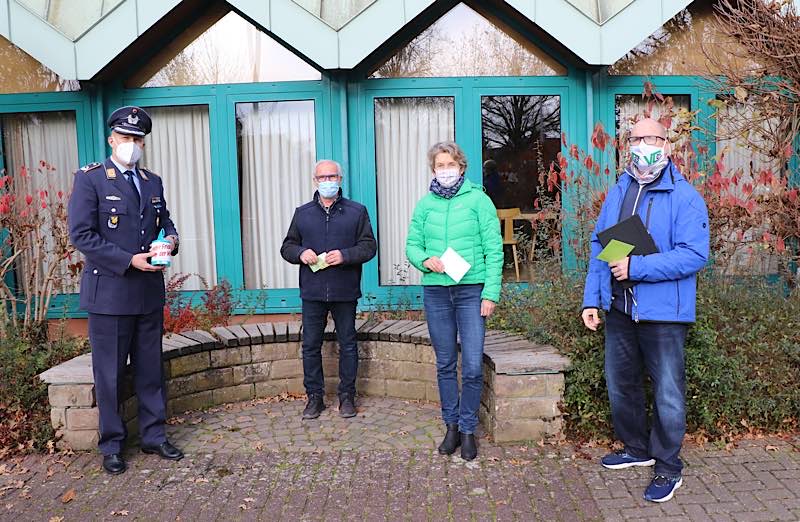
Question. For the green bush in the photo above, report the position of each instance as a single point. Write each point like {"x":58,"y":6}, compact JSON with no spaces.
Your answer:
{"x":24,"y":409}
{"x":742,"y":355}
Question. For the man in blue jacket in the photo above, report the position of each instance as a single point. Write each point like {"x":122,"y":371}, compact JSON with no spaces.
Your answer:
{"x":115,"y":211}
{"x":646,"y":325}
{"x":339,"y":228}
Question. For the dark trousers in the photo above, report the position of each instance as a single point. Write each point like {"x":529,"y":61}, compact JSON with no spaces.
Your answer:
{"x":631,"y":349}
{"x":452,"y":312}
{"x":315,"y":317}
{"x":113,"y":339}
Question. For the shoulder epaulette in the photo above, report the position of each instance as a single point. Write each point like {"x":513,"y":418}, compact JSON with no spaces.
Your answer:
{"x":147,"y":172}
{"x":91,"y":166}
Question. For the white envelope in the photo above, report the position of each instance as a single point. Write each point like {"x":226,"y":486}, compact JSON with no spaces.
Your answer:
{"x":454,"y":265}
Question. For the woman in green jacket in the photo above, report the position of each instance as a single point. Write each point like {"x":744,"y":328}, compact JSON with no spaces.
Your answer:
{"x":457,"y":215}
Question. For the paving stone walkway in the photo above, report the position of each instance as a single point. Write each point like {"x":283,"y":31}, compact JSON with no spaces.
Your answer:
{"x":259,"y":461}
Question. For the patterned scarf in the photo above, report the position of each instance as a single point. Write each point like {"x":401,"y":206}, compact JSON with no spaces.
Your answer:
{"x":445,"y":192}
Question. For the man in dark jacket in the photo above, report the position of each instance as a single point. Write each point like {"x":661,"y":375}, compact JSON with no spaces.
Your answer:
{"x":330,"y":238}
{"x":646,"y":324}
{"x":116,"y":210}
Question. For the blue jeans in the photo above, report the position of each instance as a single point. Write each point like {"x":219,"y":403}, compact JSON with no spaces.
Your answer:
{"x":632,"y":348}
{"x":315,"y":317}
{"x":452,"y":310}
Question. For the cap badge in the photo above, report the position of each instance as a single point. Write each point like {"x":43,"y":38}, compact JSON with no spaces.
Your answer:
{"x":133,"y":120}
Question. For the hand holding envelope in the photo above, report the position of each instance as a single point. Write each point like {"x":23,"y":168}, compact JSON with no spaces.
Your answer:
{"x":320,"y":264}
{"x":454,"y":265}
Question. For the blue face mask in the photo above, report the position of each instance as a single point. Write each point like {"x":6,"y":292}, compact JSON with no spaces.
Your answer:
{"x":328,"y":189}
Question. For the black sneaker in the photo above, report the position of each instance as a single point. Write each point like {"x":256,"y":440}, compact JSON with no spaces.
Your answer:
{"x":347,"y":406}
{"x":314,"y":406}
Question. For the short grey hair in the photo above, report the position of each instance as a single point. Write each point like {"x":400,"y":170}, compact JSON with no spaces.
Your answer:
{"x":324,"y":161}
{"x":450,"y":147}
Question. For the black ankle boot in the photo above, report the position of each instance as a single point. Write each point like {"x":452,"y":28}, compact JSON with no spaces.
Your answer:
{"x":469,"y":448}
{"x":451,"y":441}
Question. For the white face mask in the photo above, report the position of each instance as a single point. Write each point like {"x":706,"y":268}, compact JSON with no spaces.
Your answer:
{"x":648,"y":161}
{"x":447,"y":177}
{"x":128,"y":152}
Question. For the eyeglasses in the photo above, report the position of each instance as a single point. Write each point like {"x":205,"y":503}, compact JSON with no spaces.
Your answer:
{"x":649,"y":140}
{"x":327,"y":177}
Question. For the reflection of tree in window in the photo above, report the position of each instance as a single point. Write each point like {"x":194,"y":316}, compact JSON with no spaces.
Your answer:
{"x":690,"y":43}
{"x":230,"y":51}
{"x":19,"y":72}
{"x":465,"y":43}
{"x":521,"y":136}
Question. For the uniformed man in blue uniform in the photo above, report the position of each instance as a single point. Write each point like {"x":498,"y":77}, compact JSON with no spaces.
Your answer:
{"x":115,"y":211}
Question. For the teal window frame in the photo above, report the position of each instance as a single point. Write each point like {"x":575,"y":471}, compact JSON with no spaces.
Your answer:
{"x":221,"y":101}
{"x":80,"y":102}
{"x":467,"y":93}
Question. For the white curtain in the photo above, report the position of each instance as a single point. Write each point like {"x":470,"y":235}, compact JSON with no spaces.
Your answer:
{"x":29,"y":140}
{"x":405,"y":128}
{"x":278,"y":150}
{"x":179,"y":150}
{"x":741,"y":159}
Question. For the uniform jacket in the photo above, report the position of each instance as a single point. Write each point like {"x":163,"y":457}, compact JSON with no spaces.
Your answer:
{"x":344,"y":227}
{"x":106,"y":226}
{"x":676,"y":216}
{"x":468,"y":224}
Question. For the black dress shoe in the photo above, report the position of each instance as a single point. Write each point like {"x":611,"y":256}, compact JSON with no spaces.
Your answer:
{"x":347,"y":406}
{"x":165,"y":450}
{"x":469,"y":448}
{"x":314,"y":406}
{"x":452,"y":440}
{"x":114,"y":464}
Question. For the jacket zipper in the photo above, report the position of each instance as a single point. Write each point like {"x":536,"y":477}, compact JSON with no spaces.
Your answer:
{"x":647,"y":219}
{"x":625,"y":293}
{"x":327,"y":220}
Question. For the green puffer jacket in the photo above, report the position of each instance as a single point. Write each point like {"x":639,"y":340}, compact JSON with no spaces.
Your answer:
{"x":468,"y":223}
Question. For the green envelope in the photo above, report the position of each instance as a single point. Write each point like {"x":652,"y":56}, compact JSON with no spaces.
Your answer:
{"x":614,"y":251}
{"x":320,"y":264}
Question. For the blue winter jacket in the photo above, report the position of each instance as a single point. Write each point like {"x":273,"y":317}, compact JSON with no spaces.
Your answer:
{"x":676,"y":216}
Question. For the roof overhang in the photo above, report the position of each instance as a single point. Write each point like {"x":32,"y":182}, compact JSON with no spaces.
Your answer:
{"x":95,"y":49}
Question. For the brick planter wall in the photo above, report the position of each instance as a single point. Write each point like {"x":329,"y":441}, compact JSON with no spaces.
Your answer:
{"x":524,"y":382}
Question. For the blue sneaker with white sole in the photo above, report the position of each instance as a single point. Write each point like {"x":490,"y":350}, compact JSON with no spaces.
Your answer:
{"x":621,"y":459}
{"x":662,"y":488}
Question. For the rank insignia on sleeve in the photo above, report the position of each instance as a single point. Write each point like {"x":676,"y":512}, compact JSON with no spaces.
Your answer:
{"x":111,"y":174}
{"x":90,"y":166}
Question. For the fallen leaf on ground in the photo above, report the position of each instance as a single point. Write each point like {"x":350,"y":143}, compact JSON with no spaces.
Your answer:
{"x":56,"y":519}
{"x":68,"y":496}
{"x":770,"y":447}
{"x":120,"y":513}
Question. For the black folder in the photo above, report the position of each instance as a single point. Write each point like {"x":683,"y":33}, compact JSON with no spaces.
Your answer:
{"x":633,"y":232}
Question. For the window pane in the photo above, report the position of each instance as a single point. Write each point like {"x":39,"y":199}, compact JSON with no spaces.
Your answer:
{"x":277,"y":150}
{"x":679,"y":47}
{"x":521,"y":137}
{"x":40,"y":151}
{"x":600,"y":10}
{"x":744,"y":155}
{"x":231,"y":50}
{"x":335,"y":13}
{"x":179,"y":150}
{"x":20,"y":72}
{"x":71,"y":17}
{"x":464,"y":43}
{"x":405,"y":128}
